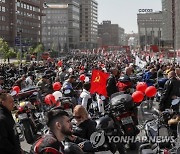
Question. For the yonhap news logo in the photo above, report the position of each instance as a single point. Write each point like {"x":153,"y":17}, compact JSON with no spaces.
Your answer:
{"x":97,"y":139}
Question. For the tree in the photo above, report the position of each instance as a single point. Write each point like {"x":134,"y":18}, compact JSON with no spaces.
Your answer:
{"x":10,"y":54}
{"x":38,"y":49}
{"x":4,"y":48}
{"x":18,"y":55}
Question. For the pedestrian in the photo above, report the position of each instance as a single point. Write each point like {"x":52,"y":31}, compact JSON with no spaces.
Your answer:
{"x":9,"y":139}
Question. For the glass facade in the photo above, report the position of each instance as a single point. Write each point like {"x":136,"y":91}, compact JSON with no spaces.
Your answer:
{"x":61,"y":24}
{"x":88,"y":24}
{"x":150,"y":28}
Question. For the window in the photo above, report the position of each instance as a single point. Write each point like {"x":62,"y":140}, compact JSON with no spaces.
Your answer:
{"x":24,"y":6}
{"x":3,"y":18}
{"x":27,"y":6}
{"x":18,"y":4}
{"x":3,"y":9}
{"x":2,"y":1}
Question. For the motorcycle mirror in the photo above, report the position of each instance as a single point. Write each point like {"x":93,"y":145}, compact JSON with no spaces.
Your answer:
{"x":175,"y":102}
{"x":67,"y":91}
{"x":13,"y":93}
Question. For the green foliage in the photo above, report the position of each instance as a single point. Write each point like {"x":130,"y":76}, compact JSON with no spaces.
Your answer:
{"x":4,"y":48}
{"x":31,"y":50}
{"x":38,"y":48}
{"x":6,"y":51}
{"x":18,"y":55}
{"x":11,"y":53}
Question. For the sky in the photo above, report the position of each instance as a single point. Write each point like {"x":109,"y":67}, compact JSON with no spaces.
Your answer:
{"x":124,"y":12}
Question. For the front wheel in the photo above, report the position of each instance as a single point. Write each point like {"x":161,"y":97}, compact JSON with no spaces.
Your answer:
{"x":28,"y":132}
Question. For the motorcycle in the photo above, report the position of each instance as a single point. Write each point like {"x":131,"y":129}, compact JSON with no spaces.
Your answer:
{"x":29,"y":114}
{"x":156,"y":127}
{"x":126,"y":115}
{"x":118,"y":120}
{"x":26,"y":121}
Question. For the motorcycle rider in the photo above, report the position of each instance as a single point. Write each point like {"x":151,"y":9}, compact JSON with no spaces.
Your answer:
{"x":170,"y":92}
{"x":85,"y":98}
{"x":45,"y":85}
{"x":52,"y":142}
{"x":111,"y":82}
{"x":160,"y":72}
{"x":149,"y":77}
{"x":9,"y":138}
{"x":67,"y":85}
{"x":85,"y":126}
{"x":126,"y":80}
{"x":21,"y":82}
{"x":29,"y":79}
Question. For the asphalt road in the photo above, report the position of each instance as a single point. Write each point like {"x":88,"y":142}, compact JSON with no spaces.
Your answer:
{"x":26,"y":147}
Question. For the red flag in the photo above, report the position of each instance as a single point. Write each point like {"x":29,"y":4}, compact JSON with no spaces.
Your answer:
{"x":98,"y":82}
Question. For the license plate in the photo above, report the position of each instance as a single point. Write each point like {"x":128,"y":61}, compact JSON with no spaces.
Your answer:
{"x":126,"y":120}
{"x":22,"y":116}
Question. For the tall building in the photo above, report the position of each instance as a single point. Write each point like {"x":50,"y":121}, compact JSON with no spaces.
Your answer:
{"x":61,"y":24}
{"x":167,"y":30}
{"x":88,"y":23}
{"x":111,"y":34}
{"x":21,"y":19}
{"x":149,"y":29}
{"x":177,"y":24}
{"x":121,"y":36}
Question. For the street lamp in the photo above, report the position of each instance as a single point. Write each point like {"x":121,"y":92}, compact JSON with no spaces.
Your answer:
{"x":20,"y":37}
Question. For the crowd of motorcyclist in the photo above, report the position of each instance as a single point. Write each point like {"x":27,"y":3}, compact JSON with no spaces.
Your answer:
{"x":43,"y":75}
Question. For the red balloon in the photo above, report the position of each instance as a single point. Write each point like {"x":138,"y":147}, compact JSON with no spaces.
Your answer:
{"x":59,"y":63}
{"x":57,"y":86}
{"x":138,"y":96}
{"x":141,"y":86}
{"x":50,"y":99}
{"x":151,"y":91}
{"x":16,"y":88}
{"x":82,"y":77}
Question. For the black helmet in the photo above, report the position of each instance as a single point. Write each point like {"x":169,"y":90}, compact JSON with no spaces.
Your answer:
{"x":121,"y":101}
{"x":70,"y":148}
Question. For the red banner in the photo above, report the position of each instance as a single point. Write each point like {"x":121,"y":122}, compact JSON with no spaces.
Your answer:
{"x":98,"y":82}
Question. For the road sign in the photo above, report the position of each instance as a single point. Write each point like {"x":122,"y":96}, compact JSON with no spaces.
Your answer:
{"x":23,"y":42}
{"x":17,"y":41}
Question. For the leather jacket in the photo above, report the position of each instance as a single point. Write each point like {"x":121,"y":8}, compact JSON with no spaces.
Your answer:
{"x":85,"y":129}
{"x":171,"y":88}
{"x":9,"y":139}
{"x":111,"y":85}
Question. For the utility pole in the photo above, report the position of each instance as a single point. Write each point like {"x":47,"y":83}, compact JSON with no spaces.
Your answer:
{"x":20,"y":35}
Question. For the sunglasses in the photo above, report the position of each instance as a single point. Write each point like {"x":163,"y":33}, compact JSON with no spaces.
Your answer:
{"x":77,"y":117}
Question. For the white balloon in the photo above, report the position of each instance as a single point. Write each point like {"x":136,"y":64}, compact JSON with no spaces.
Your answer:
{"x":57,"y":95}
{"x":86,"y":79}
{"x":70,"y":70}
